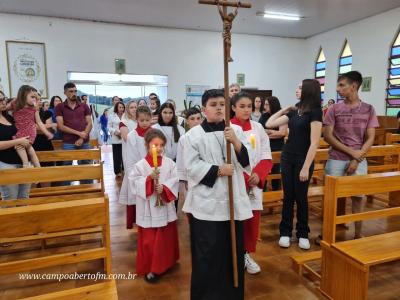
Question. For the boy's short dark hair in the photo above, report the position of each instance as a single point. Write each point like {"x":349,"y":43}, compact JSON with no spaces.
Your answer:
{"x":69,"y":85}
{"x":143,"y":110}
{"x":192,"y":111}
{"x":352,"y":77}
{"x":213,"y":93}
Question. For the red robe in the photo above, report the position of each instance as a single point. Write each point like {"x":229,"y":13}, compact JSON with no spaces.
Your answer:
{"x":157,"y":248}
{"x":251,"y":227}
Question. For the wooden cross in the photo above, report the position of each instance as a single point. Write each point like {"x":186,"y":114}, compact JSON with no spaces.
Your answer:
{"x":227,"y":20}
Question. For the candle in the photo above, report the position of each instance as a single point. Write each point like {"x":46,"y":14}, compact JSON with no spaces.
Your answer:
{"x":253,"y":141}
{"x":155,"y":161}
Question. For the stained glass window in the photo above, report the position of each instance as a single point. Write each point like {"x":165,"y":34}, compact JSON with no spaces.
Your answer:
{"x":345,"y":62}
{"x":320,"y":70}
{"x":393,"y":89}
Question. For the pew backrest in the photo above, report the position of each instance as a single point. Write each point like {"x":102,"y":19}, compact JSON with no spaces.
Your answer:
{"x":57,"y":219}
{"x":50,"y":199}
{"x":347,"y":186}
{"x":52,"y":174}
{"x":69,"y":155}
{"x":57,"y":144}
{"x":392,"y":138}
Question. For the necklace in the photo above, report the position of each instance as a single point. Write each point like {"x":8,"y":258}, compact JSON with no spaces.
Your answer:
{"x":299,"y":112}
{"x":221,"y":145}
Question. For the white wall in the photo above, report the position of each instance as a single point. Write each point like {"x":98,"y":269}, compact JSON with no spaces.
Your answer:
{"x":195,"y":57}
{"x":370,"y":41}
{"x":187,"y":57}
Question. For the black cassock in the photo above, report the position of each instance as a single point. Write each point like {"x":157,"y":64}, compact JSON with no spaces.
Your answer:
{"x":212,"y":271}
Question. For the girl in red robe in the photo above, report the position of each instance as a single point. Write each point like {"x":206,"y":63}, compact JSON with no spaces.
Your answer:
{"x":154,"y":183}
{"x":262,"y":164}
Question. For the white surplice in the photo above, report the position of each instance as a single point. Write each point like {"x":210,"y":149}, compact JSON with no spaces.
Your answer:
{"x":202,"y":150}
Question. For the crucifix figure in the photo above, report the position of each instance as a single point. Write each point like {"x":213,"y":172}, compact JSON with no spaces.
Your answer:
{"x":227,"y":20}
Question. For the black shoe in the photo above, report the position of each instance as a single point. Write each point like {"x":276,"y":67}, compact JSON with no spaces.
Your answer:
{"x":151,"y":277}
{"x":318,"y":240}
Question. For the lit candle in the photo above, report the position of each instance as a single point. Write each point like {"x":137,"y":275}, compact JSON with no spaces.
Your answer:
{"x":155,"y":160}
{"x":253,"y":141}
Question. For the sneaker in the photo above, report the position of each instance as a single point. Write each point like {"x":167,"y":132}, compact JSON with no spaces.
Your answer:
{"x":304,"y":244}
{"x":284,"y":241}
{"x":250,"y":265}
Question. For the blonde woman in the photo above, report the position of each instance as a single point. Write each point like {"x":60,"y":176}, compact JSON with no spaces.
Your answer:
{"x":128,"y":123}
{"x":128,"y":120}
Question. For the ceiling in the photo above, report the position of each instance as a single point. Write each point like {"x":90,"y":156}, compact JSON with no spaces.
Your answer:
{"x":319,"y":15}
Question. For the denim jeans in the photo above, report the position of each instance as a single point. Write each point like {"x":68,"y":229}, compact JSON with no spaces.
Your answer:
{"x":66,"y":146}
{"x":13,"y":191}
{"x":338,"y":168}
{"x":105,"y":134}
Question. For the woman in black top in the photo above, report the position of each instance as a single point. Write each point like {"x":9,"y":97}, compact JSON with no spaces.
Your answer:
{"x":276,"y":135}
{"x":305,"y":124}
{"x":42,"y":143}
{"x":9,"y":159}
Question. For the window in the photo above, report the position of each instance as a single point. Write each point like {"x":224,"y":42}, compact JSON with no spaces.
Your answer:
{"x":101,"y":87}
{"x":345,"y":62}
{"x":393,"y":89}
{"x":320,"y":70}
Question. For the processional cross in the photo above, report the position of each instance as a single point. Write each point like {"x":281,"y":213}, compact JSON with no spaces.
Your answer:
{"x":227,"y":20}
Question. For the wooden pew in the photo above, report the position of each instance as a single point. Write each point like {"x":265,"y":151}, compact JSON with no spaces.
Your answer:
{"x":56,"y":220}
{"x":391,"y":163}
{"x":56,"y":174}
{"x":57,"y":144}
{"x":345,"y":265}
{"x":69,"y":155}
{"x":379,"y":136}
{"x":38,"y":221}
{"x":323,"y":144}
{"x":392,"y":138}
{"x":49,"y":199}
{"x":388,"y":122}
{"x":99,"y":291}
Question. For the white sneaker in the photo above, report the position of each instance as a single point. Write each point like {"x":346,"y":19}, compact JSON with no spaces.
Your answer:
{"x":251,"y":266}
{"x":304,"y":244}
{"x":284,"y":241}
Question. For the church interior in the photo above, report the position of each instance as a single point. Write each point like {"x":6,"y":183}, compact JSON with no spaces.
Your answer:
{"x":68,"y":233}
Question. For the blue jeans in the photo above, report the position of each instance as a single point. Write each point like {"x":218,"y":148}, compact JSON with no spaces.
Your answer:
{"x":66,"y":146}
{"x":338,"y":167}
{"x":105,"y":134}
{"x":13,"y":191}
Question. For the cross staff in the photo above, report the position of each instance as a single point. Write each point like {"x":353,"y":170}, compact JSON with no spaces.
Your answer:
{"x":227,"y":20}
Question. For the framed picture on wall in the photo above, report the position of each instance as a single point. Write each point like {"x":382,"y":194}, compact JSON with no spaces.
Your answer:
{"x":26,"y":63}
